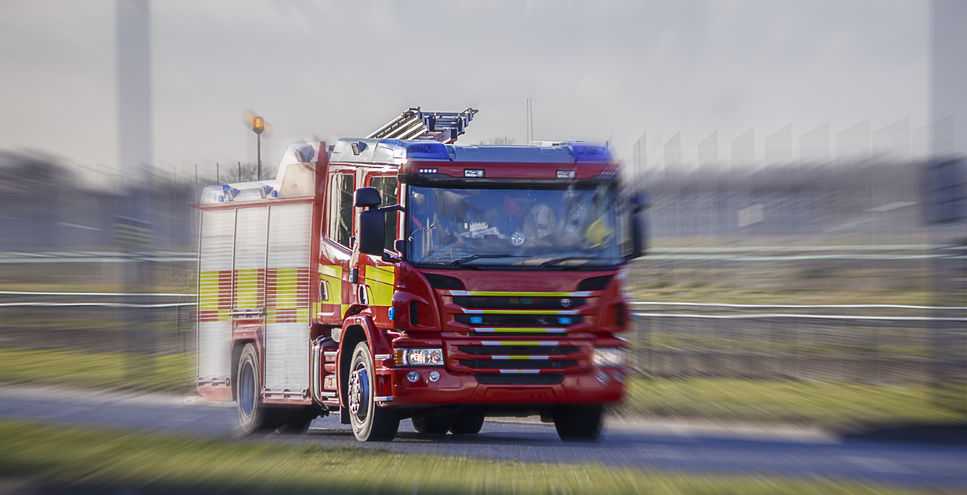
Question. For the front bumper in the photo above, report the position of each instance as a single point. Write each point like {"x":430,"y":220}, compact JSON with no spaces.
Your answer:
{"x":598,"y":386}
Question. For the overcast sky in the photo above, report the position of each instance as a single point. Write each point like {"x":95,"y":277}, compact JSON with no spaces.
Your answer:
{"x":596,"y":70}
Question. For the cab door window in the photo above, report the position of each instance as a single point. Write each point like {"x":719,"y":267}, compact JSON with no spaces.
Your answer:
{"x":387,"y":186}
{"x":341,"y":188}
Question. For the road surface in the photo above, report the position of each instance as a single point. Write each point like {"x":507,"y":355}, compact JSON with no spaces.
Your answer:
{"x":663,"y":446}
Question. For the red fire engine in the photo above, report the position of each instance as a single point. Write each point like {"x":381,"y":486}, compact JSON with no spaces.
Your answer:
{"x":403,"y":276}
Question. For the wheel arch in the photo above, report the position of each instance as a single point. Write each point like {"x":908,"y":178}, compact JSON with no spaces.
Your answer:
{"x":357,"y":328}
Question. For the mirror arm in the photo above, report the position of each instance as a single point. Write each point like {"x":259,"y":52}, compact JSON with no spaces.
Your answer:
{"x":397,"y":207}
{"x":391,"y":256}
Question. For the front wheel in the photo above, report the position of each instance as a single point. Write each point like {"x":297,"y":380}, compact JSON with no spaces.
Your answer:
{"x":370,"y":423}
{"x":579,"y":423}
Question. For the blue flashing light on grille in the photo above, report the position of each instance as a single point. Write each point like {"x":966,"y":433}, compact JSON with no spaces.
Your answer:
{"x":392,"y":313}
{"x":476,"y":320}
{"x":565,"y":320}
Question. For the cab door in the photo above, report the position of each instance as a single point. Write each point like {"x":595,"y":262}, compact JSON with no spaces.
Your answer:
{"x":377,"y":278}
{"x":336,"y":246}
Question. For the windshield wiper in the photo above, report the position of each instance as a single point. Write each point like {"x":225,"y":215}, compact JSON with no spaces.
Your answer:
{"x":472,"y":257}
{"x":558,"y":261}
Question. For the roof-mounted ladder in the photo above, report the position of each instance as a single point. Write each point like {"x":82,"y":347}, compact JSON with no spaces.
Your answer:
{"x":414,"y":123}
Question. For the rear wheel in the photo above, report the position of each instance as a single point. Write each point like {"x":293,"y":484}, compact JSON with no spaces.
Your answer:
{"x":253,"y":416}
{"x":431,"y":424}
{"x":467,"y":424}
{"x":579,"y":423}
{"x":370,"y":423}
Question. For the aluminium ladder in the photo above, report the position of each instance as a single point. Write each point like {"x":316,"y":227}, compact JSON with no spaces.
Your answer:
{"x":414,"y":123}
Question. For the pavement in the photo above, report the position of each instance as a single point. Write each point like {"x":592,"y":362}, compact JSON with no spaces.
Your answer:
{"x":668,"y":445}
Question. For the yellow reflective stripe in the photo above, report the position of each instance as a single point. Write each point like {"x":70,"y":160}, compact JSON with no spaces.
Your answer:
{"x":501,"y":343}
{"x":518,"y":293}
{"x":331,"y":270}
{"x":381,"y":282}
{"x":286,"y":288}
{"x":302,"y":315}
{"x":520,"y":311}
{"x":385,"y":275}
{"x":247,"y":283}
{"x":209,"y":290}
{"x":332,"y":276}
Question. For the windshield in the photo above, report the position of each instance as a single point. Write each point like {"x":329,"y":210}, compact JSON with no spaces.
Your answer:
{"x":513,"y":227}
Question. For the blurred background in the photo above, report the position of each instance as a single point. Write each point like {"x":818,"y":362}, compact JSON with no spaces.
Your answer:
{"x":804,"y":162}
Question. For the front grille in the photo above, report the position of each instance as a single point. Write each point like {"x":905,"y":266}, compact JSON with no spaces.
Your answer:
{"x":490,"y":302}
{"x":538,"y":379}
{"x":481,"y":350}
{"x":519,"y":320}
{"x":517,"y":364}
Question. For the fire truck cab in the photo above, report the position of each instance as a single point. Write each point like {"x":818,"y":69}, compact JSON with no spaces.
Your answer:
{"x":384,"y":279}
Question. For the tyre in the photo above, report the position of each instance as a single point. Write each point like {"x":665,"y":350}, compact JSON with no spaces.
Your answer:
{"x":370,"y":423}
{"x":467,"y":424}
{"x":579,"y":423}
{"x":253,"y":416}
{"x":431,"y":424}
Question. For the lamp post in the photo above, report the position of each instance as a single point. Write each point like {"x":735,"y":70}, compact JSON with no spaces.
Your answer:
{"x":258,"y":126}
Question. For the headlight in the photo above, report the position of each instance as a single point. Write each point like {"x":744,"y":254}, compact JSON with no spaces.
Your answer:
{"x":419,"y":357}
{"x":609,"y":357}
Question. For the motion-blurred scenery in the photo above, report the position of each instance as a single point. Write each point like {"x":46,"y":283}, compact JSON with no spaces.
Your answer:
{"x":559,"y":247}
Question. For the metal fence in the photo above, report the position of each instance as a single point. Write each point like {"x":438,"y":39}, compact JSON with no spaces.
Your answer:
{"x":857,"y":344}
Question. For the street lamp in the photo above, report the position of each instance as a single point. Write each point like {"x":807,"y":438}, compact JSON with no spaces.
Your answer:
{"x":258,"y":126}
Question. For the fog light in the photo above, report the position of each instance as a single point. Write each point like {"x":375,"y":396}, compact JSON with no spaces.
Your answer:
{"x":412,"y":377}
{"x":434,"y":376}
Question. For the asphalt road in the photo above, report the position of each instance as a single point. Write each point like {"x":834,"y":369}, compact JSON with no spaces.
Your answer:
{"x":672,"y":446}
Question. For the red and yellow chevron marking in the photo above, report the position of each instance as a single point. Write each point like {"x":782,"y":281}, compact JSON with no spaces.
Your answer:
{"x":249,"y":288}
{"x":287,"y":295}
{"x":215,"y":295}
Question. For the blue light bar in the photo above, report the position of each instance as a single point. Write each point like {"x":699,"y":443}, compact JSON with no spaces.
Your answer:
{"x":420,"y":150}
{"x":584,"y":152}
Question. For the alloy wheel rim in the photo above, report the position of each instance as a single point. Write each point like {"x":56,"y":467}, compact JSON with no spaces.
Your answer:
{"x":359,"y":393}
{"x":246,"y":400}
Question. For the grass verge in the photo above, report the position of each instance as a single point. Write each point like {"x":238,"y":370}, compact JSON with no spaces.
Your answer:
{"x":114,"y":460}
{"x":832,"y":404}
{"x":170,"y":372}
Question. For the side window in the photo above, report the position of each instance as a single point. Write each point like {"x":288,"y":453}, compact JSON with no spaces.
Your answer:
{"x":387,"y":185}
{"x":341,"y":187}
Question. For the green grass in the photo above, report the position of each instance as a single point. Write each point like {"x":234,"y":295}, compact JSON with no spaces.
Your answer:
{"x":174,"y":463}
{"x":96,"y":370}
{"x":824,"y":403}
